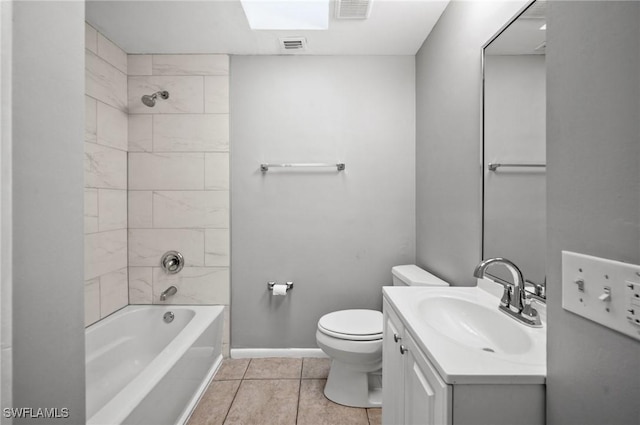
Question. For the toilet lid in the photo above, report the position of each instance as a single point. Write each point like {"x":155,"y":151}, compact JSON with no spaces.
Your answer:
{"x":355,"y":325}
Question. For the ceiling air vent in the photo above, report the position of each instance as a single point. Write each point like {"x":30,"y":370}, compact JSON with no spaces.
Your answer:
{"x":353,"y":9}
{"x":293,"y":43}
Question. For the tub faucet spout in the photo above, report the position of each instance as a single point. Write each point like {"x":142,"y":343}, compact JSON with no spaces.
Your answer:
{"x":171,"y":290}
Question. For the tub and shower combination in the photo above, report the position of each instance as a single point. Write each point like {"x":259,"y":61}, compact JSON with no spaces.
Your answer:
{"x":150,"y":364}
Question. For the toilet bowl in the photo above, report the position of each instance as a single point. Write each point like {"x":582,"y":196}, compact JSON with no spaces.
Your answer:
{"x":353,"y":341}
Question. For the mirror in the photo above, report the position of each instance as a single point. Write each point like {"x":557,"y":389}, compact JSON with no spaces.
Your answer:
{"x":513,"y":138}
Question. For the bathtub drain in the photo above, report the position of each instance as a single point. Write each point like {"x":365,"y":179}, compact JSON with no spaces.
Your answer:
{"x":168,"y":317}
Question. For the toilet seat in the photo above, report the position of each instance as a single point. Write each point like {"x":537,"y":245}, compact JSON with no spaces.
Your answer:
{"x":352,"y":325}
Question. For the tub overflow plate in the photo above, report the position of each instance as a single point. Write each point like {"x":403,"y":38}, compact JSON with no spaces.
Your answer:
{"x":168,"y":317}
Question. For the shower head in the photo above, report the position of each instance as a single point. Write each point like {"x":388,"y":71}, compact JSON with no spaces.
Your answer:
{"x":150,"y":100}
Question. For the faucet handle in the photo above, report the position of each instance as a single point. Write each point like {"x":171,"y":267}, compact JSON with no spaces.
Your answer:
{"x":538,"y":290}
{"x":172,"y":262}
{"x":529,"y":312}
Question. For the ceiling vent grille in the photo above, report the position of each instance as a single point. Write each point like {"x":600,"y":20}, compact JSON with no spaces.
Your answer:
{"x":353,"y":9}
{"x":293,"y":43}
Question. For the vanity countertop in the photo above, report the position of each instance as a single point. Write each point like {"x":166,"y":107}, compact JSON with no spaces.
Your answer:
{"x":467,"y":338}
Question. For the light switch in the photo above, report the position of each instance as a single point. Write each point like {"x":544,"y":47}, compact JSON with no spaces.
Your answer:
{"x":605,"y":291}
{"x":606,"y":295}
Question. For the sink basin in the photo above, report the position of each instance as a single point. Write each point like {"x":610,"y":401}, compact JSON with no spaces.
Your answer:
{"x":467,"y":338}
{"x":474,"y":325}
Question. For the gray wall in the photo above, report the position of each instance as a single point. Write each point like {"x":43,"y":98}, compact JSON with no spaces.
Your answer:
{"x":448,"y":158}
{"x":48,"y":117}
{"x":336,"y":235}
{"x":593,"y":130}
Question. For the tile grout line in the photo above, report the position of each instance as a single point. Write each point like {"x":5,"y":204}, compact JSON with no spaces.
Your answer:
{"x":246,"y":370}
{"x":231,"y":404}
{"x":299,"y":390}
{"x":236,"y":394}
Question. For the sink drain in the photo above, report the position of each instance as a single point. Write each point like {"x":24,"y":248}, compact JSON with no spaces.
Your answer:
{"x":491,"y":350}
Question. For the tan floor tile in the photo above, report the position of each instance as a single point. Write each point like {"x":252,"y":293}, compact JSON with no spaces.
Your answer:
{"x":214,"y":404}
{"x":231,"y":369}
{"x":316,"y":409}
{"x":265,"y":402}
{"x":313,"y":368}
{"x":375,"y":416}
{"x":274,"y":368}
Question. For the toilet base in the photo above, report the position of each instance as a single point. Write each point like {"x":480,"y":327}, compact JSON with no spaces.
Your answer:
{"x":353,"y":388}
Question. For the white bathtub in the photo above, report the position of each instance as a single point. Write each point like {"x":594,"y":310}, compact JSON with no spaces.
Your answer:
{"x":141,"y":370}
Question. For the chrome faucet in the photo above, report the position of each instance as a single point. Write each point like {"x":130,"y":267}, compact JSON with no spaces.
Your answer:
{"x":171,"y":290}
{"x":514,"y":300}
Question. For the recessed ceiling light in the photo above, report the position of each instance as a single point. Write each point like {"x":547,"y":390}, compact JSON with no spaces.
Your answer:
{"x":543,"y":27}
{"x":287,"y":14}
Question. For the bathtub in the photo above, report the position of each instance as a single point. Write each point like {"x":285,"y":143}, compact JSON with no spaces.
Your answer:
{"x":142,"y":370}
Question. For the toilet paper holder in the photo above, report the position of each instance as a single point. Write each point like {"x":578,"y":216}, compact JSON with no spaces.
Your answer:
{"x":270,"y":285}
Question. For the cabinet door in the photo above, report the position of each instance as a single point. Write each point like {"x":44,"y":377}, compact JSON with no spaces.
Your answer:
{"x":392,"y":369}
{"x":427,"y":396}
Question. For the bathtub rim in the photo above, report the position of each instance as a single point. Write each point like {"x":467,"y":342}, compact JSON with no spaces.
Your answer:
{"x":117,"y":409}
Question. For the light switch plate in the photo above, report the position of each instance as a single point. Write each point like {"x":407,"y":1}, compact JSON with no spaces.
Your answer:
{"x":605,"y":291}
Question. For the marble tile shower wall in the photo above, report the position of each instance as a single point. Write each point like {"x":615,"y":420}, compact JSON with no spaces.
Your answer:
{"x":179,"y":178}
{"x":105,"y":173}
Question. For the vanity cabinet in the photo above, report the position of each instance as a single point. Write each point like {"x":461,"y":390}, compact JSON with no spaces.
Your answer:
{"x":414,"y":392}
{"x":427,"y":398}
{"x":392,"y":369}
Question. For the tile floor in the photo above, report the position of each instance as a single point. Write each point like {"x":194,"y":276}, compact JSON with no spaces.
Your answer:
{"x":278,"y":391}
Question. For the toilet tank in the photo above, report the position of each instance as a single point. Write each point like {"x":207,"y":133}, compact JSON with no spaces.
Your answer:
{"x":412,"y":275}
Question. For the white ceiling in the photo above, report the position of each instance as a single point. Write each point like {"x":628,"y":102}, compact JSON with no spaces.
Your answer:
{"x":395,"y":27}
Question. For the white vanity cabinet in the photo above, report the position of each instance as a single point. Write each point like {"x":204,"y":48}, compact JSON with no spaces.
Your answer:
{"x":414,"y":392}
{"x":392,"y":369}
{"x":427,"y":398}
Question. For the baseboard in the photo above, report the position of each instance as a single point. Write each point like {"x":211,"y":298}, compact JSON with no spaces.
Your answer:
{"x":252,"y":353}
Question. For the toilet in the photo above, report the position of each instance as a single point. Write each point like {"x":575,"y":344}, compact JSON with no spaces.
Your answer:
{"x":353,"y":341}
